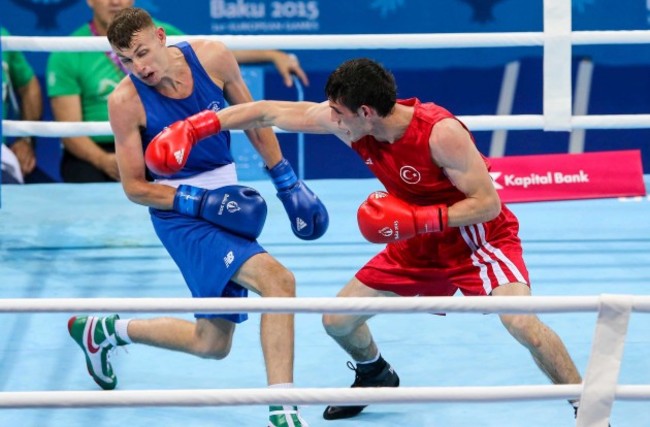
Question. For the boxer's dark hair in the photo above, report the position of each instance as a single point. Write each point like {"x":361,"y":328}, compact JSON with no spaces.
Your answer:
{"x":126,"y":24}
{"x":362,"y":82}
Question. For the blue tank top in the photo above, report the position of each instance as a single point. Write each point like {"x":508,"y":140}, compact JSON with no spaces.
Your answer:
{"x":161,"y":111}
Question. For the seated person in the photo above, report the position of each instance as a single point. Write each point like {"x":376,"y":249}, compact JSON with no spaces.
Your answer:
{"x":21,"y":94}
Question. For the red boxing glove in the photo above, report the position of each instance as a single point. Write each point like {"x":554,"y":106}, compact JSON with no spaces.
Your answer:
{"x":384,"y":218}
{"x":168,"y":151}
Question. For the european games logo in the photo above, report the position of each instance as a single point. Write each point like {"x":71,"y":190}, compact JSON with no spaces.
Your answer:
{"x":214,"y":106}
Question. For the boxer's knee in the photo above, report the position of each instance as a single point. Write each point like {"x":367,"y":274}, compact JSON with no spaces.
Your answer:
{"x":212,"y":350}
{"x":525,"y":328}
{"x":280,"y":283}
{"x":212,"y":338}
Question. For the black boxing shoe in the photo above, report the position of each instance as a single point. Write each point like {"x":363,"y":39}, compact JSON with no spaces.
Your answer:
{"x":377,"y":374}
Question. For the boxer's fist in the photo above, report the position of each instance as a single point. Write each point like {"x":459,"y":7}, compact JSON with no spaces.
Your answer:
{"x":384,"y":218}
{"x":168,"y":151}
{"x":307,"y":214}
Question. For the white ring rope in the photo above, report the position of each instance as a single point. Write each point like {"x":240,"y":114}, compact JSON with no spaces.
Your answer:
{"x":474,"y":123}
{"x":335,"y":42}
{"x":535,"y":304}
{"x":302,"y":396}
{"x":354,"y":41}
{"x":299,"y":42}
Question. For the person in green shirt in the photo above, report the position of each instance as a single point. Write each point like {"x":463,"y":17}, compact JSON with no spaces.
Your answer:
{"x":21,"y":93}
{"x":79,"y":83}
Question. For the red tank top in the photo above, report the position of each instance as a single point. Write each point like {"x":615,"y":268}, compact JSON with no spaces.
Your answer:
{"x":405,"y":167}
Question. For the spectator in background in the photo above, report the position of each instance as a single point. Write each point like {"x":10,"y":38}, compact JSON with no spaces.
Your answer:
{"x":79,"y":83}
{"x":21,"y":94}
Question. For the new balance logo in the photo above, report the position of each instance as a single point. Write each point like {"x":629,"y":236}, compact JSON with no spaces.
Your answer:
{"x":179,"y":156}
{"x":228,"y":259}
{"x":300,"y":224}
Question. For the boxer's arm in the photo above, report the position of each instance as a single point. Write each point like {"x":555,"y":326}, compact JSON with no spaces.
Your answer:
{"x":454,"y":151}
{"x":126,"y":116}
{"x":308,"y":216}
{"x":221,"y":65}
{"x":302,"y":116}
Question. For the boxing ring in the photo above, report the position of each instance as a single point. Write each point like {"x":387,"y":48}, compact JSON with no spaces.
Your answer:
{"x":94,"y":251}
{"x":84,"y":248}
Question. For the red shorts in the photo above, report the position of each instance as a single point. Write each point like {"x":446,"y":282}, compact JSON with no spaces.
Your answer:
{"x":475,"y":259}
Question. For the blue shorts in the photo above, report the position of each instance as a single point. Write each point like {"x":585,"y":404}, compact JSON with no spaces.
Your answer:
{"x":207,"y":256}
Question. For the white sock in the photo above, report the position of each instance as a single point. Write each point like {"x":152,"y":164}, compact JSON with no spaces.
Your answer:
{"x":287,"y":409}
{"x":281,"y":385}
{"x":376,"y":358}
{"x":121,"y":330}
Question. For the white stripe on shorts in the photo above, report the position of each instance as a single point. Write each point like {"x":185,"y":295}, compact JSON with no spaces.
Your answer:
{"x":474,"y":237}
{"x":511,"y":265}
{"x":483,"y":273}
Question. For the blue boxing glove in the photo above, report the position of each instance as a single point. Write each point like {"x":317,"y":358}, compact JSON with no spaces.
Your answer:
{"x":238,"y":209}
{"x":308,"y":216}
